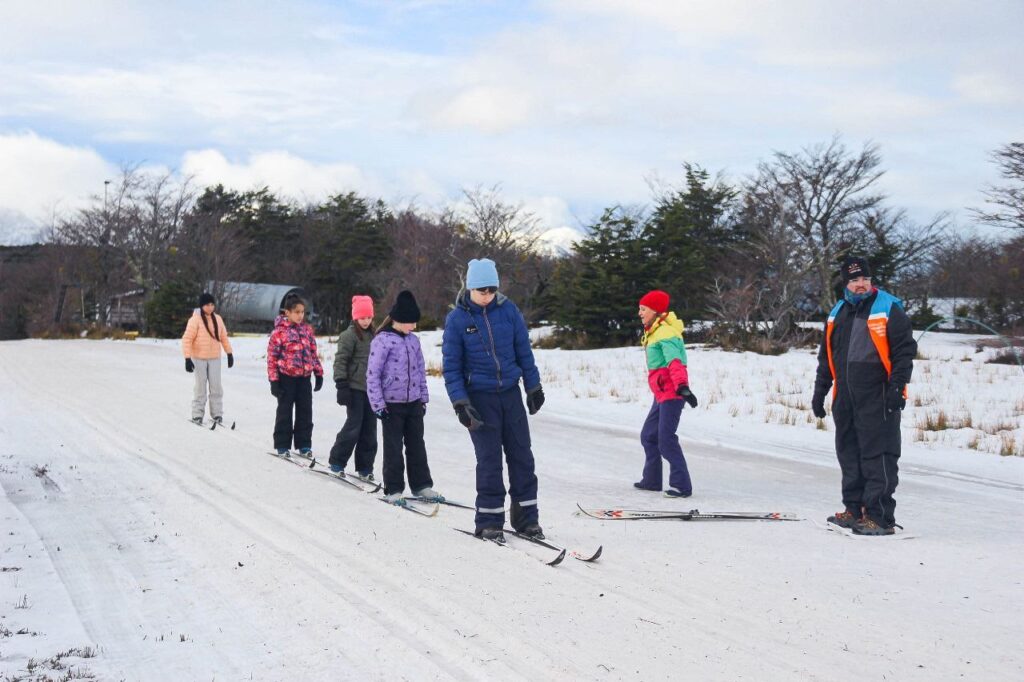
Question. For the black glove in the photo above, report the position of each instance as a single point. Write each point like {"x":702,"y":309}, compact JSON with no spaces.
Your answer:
{"x":189,"y":367}
{"x":275,"y":389}
{"x":683,"y":391}
{"x":382,"y":414}
{"x":344,"y":392}
{"x":468,"y":416}
{"x":534,"y":399}
{"x":318,"y":382}
{"x":818,"y":405}
{"x":894,"y":399}
{"x":231,"y":360}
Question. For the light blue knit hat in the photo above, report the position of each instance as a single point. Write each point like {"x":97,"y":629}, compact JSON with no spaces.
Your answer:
{"x":481,"y":273}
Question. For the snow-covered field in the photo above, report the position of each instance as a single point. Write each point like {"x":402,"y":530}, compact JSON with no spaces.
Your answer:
{"x":138,"y":547}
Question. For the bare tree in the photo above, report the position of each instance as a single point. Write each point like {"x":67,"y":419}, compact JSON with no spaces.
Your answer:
{"x":129,"y":233}
{"x":1008,"y":200}
{"x":820,"y":193}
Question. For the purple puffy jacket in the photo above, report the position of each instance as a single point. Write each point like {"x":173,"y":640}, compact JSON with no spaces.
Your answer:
{"x":395,"y":371}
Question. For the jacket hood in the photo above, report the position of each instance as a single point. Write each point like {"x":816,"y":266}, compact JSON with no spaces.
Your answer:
{"x":664,"y":325}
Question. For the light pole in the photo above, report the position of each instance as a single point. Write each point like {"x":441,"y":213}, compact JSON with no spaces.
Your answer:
{"x":106,"y":183}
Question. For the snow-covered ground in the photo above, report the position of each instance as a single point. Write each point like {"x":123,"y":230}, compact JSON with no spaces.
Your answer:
{"x":136,"y":546}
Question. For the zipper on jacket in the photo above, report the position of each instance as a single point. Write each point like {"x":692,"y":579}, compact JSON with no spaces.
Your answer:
{"x":408,"y":372}
{"x":494,"y":351}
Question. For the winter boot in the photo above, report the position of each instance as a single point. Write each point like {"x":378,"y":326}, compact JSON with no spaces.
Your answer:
{"x":429,"y":494}
{"x":198,"y":421}
{"x":366,"y":476}
{"x":532,"y":530}
{"x":868,"y":526}
{"x":640,"y":485}
{"x":843,"y":519}
{"x":219,"y":420}
{"x":282,"y":452}
{"x":672,"y":492}
{"x":396,"y":499}
{"x":519,"y":519}
{"x":492,"y":534}
{"x":338,"y":469}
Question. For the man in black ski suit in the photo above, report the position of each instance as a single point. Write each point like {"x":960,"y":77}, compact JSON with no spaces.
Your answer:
{"x":866,"y":358}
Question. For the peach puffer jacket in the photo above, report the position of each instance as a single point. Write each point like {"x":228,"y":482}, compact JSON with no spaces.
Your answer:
{"x":198,"y":341}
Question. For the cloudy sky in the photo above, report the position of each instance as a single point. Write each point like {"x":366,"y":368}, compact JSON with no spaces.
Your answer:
{"x":571,"y":105}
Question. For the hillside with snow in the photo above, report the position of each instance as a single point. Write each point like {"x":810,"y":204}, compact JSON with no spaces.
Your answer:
{"x":139,"y":547}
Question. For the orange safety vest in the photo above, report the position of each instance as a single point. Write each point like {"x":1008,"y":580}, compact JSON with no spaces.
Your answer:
{"x":878,"y":322}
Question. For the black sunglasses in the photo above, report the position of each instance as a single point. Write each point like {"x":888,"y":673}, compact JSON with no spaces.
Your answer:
{"x":487,"y":290}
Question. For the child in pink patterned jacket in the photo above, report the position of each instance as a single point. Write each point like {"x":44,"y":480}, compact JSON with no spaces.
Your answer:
{"x":291,"y":359}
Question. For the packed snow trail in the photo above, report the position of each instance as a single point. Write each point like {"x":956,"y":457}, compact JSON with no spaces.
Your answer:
{"x":184,"y":554}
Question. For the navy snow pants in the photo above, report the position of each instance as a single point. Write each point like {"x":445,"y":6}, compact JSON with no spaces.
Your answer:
{"x":659,"y":439}
{"x":505,"y":428}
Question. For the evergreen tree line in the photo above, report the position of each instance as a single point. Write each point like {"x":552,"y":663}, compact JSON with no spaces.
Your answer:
{"x":750,"y":261}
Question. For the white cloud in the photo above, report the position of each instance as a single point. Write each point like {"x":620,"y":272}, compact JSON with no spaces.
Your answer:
{"x":282,"y":172}
{"x":40,"y":176}
{"x":989,"y":87}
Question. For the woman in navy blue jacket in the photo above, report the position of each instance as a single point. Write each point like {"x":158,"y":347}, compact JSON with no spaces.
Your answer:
{"x":486,"y":352}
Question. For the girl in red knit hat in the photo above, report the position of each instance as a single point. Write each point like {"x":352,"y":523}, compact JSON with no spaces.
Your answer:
{"x":670,"y":383}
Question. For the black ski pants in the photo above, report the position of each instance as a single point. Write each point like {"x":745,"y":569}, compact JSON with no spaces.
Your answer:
{"x":296,"y":395}
{"x":358,"y":433}
{"x":404,"y":426}
{"x":868,"y":449}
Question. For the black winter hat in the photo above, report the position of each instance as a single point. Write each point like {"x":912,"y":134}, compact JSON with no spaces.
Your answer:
{"x":405,"y":308}
{"x":854,"y":267}
{"x":205,"y":298}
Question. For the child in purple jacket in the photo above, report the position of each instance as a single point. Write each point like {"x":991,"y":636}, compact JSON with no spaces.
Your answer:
{"x":396,"y":384}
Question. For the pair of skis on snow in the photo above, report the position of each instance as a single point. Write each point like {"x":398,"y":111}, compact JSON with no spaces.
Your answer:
{"x":562,"y":551}
{"x":213,"y":425}
{"x":416,"y":505}
{"x":691,"y":515}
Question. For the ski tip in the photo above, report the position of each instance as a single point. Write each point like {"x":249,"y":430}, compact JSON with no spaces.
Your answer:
{"x":558,"y":559}
{"x":594,"y":557}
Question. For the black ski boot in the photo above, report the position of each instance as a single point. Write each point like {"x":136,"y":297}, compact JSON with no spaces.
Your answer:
{"x":532,"y":530}
{"x":492,"y":534}
{"x":523,"y":526}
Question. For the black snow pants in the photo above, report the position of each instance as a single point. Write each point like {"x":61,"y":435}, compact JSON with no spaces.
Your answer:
{"x":404,"y":426}
{"x":296,"y":394}
{"x":868,"y":448}
{"x":359,"y":433}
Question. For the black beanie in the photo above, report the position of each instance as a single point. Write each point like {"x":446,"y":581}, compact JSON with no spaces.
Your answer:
{"x":405,"y":308}
{"x":854,"y":267}
{"x":205,"y":298}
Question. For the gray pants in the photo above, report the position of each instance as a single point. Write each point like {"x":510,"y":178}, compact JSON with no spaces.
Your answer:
{"x":207,"y":372}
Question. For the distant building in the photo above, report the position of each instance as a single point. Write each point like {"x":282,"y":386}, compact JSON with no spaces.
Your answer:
{"x":127,"y":309}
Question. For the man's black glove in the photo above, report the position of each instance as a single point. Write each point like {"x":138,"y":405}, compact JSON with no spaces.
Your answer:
{"x":818,"y":405}
{"x":344,"y":392}
{"x":534,"y":399}
{"x":382,"y":414}
{"x":468,"y":416}
{"x":683,"y":391}
{"x":894,"y":399}
{"x":189,"y":366}
{"x":275,"y":389}
{"x":318,"y":382}
{"x":231,"y":360}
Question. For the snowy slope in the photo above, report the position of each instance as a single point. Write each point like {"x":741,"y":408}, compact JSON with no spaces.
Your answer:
{"x":179,"y":553}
